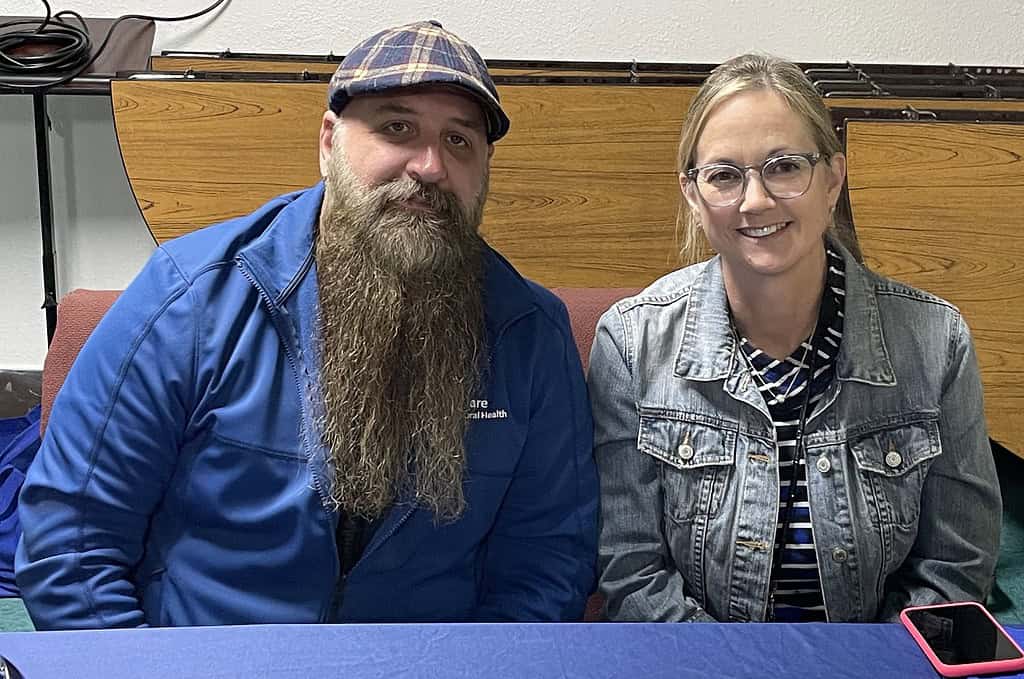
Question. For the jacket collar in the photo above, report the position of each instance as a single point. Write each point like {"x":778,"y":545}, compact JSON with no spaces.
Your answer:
{"x":282,"y":255}
{"x":863,"y":356}
{"x":708,"y":348}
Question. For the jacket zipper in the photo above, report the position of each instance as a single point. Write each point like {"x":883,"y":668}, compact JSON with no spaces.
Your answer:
{"x":292,"y":359}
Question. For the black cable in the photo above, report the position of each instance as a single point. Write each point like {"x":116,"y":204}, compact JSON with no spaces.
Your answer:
{"x":71,"y":58}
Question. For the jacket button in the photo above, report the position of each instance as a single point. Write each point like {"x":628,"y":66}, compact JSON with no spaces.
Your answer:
{"x":839,"y":555}
{"x":685,"y":451}
{"x":893,"y":459}
{"x":824,"y":465}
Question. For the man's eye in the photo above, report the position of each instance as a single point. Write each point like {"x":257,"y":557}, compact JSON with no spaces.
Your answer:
{"x":458,"y":140}
{"x":397,"y":127}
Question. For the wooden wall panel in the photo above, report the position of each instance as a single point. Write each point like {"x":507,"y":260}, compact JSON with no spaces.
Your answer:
{"x":937,"y":205}
{"x":583,"y":190}
{"x":584,"y":172}
{"x":927,"y":104}
{"x":198,"y":153}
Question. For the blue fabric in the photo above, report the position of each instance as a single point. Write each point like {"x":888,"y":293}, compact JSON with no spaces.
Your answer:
{"x":182,"y":480}
{"x":19,"y":441}
{"x":517,"y":651}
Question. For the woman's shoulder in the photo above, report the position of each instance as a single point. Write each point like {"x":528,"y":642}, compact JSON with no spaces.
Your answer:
{"x":670,"y":290}
{"x":908,"y":301}
{"x":908,"y":317}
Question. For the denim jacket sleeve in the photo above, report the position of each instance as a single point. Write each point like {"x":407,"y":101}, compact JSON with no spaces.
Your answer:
{"x":954,"y":555}
{"x":109,"y":451}
{"x":637,"y":576}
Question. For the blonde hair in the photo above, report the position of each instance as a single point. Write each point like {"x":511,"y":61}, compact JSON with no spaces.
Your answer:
{"x":747,"y":73}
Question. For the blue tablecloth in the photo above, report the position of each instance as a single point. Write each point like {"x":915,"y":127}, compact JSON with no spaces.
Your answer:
{"x":526,"y":651}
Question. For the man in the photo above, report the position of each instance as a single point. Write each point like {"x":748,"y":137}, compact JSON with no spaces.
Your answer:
{"x":342,"y":407}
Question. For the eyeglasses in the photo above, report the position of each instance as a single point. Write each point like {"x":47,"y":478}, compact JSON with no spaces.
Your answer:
{"x":724,"y":184}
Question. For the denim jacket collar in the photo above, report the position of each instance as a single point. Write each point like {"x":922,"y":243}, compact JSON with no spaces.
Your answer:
{"x":863,"y":356}
{"x":707,"y":351}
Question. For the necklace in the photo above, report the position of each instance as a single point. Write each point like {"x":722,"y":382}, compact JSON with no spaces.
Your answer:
{"x":777,"y":397}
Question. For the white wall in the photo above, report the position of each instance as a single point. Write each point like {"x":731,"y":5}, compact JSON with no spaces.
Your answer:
{"x":102,"y":239}
{"x":961,"y":31}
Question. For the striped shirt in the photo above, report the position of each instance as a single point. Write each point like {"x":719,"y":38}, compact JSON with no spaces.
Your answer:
{"x":783,"y":385}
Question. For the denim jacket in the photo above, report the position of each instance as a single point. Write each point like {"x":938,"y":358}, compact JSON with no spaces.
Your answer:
{"x":904,"y":499}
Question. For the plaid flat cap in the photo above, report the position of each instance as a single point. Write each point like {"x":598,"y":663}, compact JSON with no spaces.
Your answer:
{"x":417,"y":54}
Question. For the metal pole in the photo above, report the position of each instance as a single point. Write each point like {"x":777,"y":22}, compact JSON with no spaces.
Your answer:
{"x":42,"y":130}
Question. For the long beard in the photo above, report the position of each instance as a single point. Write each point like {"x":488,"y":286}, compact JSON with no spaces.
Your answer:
{"x":402,"y":321}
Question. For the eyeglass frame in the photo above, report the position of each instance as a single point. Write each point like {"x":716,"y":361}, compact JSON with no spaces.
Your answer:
{"x":812,"y":158}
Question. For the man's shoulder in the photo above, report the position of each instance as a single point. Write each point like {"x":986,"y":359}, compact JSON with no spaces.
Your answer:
{"x":509,"y":295}
{"x":219,"y":243}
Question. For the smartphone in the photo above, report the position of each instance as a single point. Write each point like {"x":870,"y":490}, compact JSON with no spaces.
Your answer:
{"x":7,"y":670}
{"x":962,"y":638}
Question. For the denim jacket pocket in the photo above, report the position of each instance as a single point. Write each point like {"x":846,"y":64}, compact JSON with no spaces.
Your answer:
{"x":697,"y":455}
{"x":892,"y":463}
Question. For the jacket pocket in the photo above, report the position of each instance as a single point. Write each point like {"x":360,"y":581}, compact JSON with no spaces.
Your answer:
{"x":892,"y":463}
{"x":698,"y":454}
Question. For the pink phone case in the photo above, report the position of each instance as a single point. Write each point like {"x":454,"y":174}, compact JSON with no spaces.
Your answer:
{"x":963,"y":670}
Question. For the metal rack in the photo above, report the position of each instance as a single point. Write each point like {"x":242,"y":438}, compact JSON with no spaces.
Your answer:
{"x":129,"y":52}
{"x":833,"y":79}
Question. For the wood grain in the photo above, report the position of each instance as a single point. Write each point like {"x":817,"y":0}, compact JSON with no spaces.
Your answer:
{"x":583,"y":191}
{"x":927,"y":104}
{"x":585,"y":170}
{"x":937,"y":205}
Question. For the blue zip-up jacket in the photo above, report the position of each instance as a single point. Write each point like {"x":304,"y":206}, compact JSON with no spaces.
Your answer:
{"x":181,"y":480}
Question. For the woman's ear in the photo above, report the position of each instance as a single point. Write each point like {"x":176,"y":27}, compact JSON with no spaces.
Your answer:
{"x":837,"y":175}
{"x":689,"y":191}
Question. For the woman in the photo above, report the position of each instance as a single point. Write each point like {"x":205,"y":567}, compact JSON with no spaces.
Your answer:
{"x":782,"y":434}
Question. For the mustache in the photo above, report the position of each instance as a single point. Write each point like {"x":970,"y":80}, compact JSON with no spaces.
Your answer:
{"x":405,"y":189}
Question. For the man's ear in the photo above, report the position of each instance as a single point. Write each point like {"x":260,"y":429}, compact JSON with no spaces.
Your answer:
{"x":326,"y":141}
{"x":490,"y":152}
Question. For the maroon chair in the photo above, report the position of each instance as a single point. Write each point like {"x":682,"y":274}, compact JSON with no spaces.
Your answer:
{"x":77,"y":315}
{"x":585,"y":307}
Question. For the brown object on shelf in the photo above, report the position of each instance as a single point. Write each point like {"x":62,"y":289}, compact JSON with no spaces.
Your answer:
{"x":128,"y":50}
